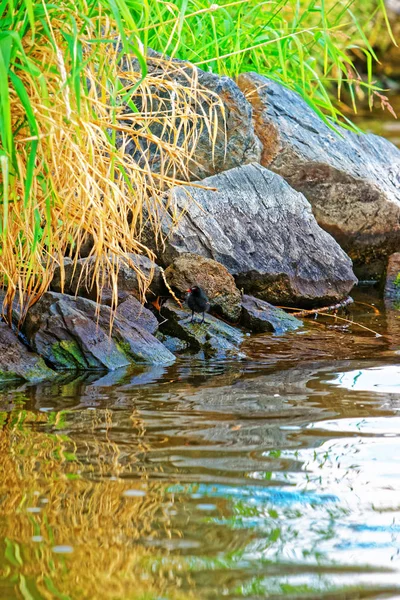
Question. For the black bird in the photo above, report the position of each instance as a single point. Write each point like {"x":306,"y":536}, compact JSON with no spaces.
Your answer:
{"x":197,"y":301}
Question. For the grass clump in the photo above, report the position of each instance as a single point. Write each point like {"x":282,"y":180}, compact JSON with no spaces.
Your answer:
{"x":78,"y":119}
{"x":68,"y":111}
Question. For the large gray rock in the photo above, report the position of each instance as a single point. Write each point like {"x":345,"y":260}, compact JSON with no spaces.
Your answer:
{"x":191,"y":269}
{"x":16,"y":362}
{"x":265,"y":234}
{"x":78,"y":279}
{"x":234,"y":143}
{"x":74,"y":333}
{"x":352,"y":181}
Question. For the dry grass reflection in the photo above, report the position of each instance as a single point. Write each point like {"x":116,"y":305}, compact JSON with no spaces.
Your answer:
{"x":51,"y":498}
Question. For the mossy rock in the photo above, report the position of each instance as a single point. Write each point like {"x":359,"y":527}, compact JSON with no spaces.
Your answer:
{"x":17,"y":362}
{"x":214,"y":338}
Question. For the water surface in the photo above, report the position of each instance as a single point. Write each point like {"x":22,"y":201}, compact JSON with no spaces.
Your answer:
{"x":276,"y":476}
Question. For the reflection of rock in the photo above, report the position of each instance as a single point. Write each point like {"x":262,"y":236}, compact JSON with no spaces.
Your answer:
{"x":74,"y":333}
{"x":79,"y":281}
{"x":219,"y":285}
{"x":259,"y":316}
{"x":352,"y":181}
{"x":214,"y":337}
{"x":264,"y":233}
{"x":16,"y":362}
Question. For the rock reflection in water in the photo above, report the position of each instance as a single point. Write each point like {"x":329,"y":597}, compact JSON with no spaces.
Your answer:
{"x":259,"y":478}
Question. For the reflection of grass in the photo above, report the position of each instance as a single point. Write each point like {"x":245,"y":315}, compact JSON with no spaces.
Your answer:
{"x":61,"y":463}
{"x":44,"y":491}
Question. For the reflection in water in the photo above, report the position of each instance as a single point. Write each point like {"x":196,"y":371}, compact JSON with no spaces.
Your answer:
{"x":378,"y":379}
{"x":272,"y":477}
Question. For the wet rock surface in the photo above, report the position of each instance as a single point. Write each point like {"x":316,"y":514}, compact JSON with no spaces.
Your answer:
{"x":17,"y":362}
{"x":235,"y":142}
{"x":213,"y":338}
{"x":134,"y":311}
{"x":352,"y":181}
{"x":191,"y":269}
{"x":265,"y":234}
{"x":78,"y":281}
{"x":74,"y":333}
{"x":173,"y":344}
{"x":260,"y":316}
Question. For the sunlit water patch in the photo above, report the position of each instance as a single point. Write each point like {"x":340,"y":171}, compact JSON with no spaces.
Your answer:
{"x":385,"y":379}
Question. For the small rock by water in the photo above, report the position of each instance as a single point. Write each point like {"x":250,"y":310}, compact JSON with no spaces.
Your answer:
{"x":219,"y":285}
{"x":260,"y":316}
{"x":213,"y":338}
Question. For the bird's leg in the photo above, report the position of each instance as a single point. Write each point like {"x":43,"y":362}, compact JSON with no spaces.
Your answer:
{"x":192,"y":316}
{"x":202,"y":319}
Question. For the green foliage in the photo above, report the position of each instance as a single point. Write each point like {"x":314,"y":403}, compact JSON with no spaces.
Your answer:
{"x":308,"y":45}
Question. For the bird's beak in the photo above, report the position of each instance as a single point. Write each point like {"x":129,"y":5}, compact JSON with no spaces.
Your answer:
{"x":188,"y":291}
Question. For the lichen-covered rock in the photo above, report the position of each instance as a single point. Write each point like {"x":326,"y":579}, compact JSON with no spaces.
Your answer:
{"x":17,"y":362}
{"x":260,"y":316}
{"x":78,"y":281}
{"x":233,"y":144}
{"x":213,"y":338}
{"x":392,"y":284}
{"x":265,"y":234}
{"x":191,"y":269}
{"x":352,"y":181}
{"x":74,"y":333}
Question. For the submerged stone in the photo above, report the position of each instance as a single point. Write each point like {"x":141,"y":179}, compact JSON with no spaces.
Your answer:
{"x":260,"y":316}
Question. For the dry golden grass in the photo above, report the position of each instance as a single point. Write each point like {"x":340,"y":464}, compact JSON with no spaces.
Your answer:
{"x":82,"y":183}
